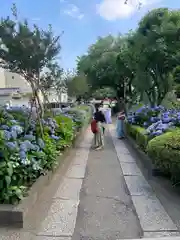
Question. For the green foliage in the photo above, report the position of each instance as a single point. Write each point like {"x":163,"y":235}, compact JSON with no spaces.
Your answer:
{"x":176,"y":75}
{"x":138,"y":134}
{"x":99,"y":64}
{"x":177,"y":90}
{"x":19,"y":171}
{"x":164,"y":150}
{"x":105,"y":92}
{"x":139,"y":64}
{"x":77,"y":86}
{"x":28,"y":51}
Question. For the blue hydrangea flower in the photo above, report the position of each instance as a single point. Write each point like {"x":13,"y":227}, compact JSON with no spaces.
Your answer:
{"x":145,"y":124}
{"x":22,"y":154}
{"x":55,"y":137}
{"x":30,"y":137}
{"x":41,"y":143}
{"x":35,"y":147}
{"x":23,"y":147}
{"x":5,"y":127}
{"x":18,"y":129}
{"x":12,"y":145}
{"x":14,"y":134}
{"x":7,"y":135}
{"x":26,"y":146}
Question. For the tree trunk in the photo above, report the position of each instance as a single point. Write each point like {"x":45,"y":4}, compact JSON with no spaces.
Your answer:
{"x":37,"y":100}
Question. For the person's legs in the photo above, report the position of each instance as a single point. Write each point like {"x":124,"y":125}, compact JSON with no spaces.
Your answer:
{"x":120,"y":131}
{"x":121,"y":135}
{"x":100,"y":137}
{"x":95,"y":141}
{"x":109,"y":116}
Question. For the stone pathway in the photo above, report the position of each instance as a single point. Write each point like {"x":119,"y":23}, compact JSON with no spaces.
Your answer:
{"x":153,"y":218}
{"x":102,"y":196}
{"x":106,"y":210}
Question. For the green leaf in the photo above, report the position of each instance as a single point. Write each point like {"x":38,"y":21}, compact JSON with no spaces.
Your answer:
{"x":8,"y":180}
{"x":10,"y":171}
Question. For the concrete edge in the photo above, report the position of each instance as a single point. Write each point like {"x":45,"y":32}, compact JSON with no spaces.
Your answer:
{"x":144,"y":158}
{"x":14,"y":215}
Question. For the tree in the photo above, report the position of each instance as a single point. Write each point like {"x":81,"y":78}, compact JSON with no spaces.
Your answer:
{"x":139,"y":63}
{"x":103,"y":93}
{"x":158,"y":35}
{"x":176,"y":75}
{"x":77,"y":85}
{"x":99,"y":64}
{"x":27,"y":51}
{"x":51,"y":79}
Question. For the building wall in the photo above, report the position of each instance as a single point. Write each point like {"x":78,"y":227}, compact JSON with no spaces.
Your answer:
{"x":64,"y":97}
{"x":14,"y":102}
{"x":2,"y":78}
{"x":13,"y":80}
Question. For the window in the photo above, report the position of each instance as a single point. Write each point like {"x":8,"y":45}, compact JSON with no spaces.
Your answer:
{"x":12,"y":77}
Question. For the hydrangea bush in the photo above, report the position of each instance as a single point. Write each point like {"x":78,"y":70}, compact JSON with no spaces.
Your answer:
{"x":155,"y":120}
{"x":24,"y":155}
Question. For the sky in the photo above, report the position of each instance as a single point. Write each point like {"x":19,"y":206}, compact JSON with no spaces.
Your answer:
{"x":81,"y":21}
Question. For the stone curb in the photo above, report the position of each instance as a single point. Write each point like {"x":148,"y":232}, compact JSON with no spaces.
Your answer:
{"x":154,"y":220}
{"x":15,"y":215}
{"x":144,"y":158}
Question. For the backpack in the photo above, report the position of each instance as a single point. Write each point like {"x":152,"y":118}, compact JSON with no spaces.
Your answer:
{"x":94,"y":127}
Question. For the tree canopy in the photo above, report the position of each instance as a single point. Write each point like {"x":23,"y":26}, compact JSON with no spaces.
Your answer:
{"x":77,"y":85}
{"x":28,"y":51}
{"x":139,"y":63}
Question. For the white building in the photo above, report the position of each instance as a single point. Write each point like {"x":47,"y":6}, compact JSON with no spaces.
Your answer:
{"x":11,"y":84}
{"x":54,"y":96}
{"x":13,"y":80}
{"x":14,"y":88}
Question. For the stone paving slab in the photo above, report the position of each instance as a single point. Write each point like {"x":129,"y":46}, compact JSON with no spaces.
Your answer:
{"x":15,"y":235}
{"x":105,"y":211}
{"x":78,"y":160}
{"x":51,"y":238}
{"x":69,"y":189}
{"x":152,"y":214}
{"x":61,"y":218}
{"x":76,"y":171}
{"x":130,"y":169}
{"x":138,"y":186}
{"x":160,"y":234}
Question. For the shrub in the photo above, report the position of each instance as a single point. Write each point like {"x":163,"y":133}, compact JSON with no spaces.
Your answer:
{"x":24,"y":155}
{"x":164,"y":151}
{"x":156,"y":120}
{"x":138,"y":133}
